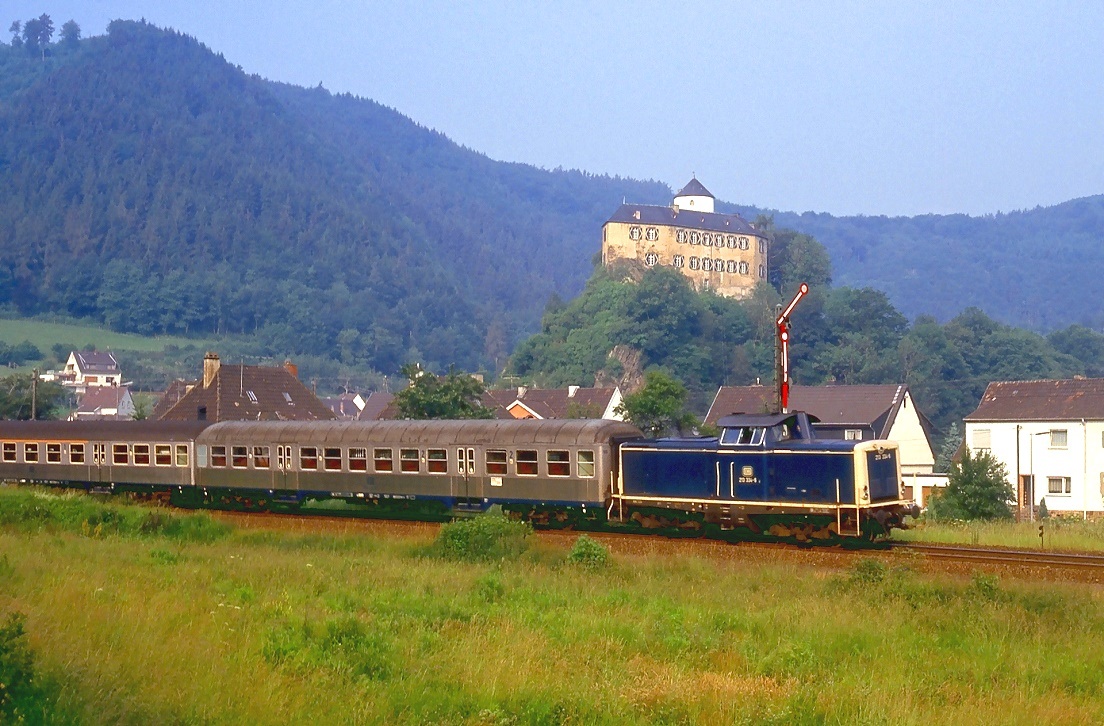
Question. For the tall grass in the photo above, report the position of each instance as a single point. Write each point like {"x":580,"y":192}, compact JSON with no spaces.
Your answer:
{"x":1073,"y":534}
{"x":280,"y":628}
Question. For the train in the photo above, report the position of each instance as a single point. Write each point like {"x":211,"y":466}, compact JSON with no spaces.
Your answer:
{"x":766,"y":476}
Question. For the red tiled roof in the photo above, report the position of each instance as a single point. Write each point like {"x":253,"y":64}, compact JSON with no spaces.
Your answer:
{"x":1062,"y":400}
{"x":859,"y":405}
{"x":250,"y":393}
{"x":552,"y":402}
{"x":375,"y":405}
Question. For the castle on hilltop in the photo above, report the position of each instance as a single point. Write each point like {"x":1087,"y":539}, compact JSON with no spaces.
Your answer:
{"x":720,"y":252}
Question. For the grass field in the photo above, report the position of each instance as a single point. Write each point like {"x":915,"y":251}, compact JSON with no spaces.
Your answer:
{"x":44,"y":335}
{"x":1066,"y":534}
{"x":135,"y":615}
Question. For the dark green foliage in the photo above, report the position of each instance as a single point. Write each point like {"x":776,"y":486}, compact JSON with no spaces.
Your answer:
{"x":485,"y":538}
{"x":22,"y":698}
{"x":1043,"y":511}
{"x":16,"y":396}
{"x":951,"y":443}
{"x":589,"y":553}
{"x":658,"y":407}
{"x":977,"y":488}
{"x":452,"y":396}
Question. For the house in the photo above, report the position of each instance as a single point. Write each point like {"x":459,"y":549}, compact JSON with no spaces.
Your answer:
{"x":87,"y":368}
{"x":245,"y":393}
{"x":375,"y":405}
{"x":1050,"y":437}
{"x":853,"y":413}
{"x":549,"y":403}
{"x":104,"y":402}
{"x":346,"y":406}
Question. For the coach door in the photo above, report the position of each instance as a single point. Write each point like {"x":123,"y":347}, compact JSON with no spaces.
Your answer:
{"x":470,"y":489}
{"x":284,"y":476}
{"x":100,"y":469}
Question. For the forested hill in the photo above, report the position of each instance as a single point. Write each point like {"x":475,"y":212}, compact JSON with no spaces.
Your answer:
{"x":1033,"y":269}
{"x":151,"y":184}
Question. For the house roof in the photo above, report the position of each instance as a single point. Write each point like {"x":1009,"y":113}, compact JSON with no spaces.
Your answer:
{"x":548,"y":403}
{"x":653,"y":214}
{"x":97,"y":398}
{"x":94,"y":361}
{"x":694,"y":188}
{"x":374,"y":405}
{"x":250,"y":393}
{"x":343,"y":405}
{"x":865,"y":405}
{"x":1063,"y":400}
{"x":171,"y":397}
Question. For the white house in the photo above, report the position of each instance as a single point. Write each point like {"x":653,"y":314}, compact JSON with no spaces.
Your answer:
{"x":105,"y":402}
{"x":1050,"y":437}
{"x":87,"y":369}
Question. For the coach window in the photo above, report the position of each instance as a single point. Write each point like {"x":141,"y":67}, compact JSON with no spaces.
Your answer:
{"x":261,"y":458}
{"x":53,"y":453}
{"x":496,"y":462}
{"x":30,"y":453}
{"x":331,"y":459}
{"x":162,"y":454}
{"x":526,"y":462}
{"x":120,"y":454}
{"x":382,"y":461}
{"x":586,"y":464}
{"x":9,"y":451}
{"x":181,"y":454}
{"x":76,"y":453}
{"x":438,"y":461}
{"x":559,"y":463}
{"x":218,"y":456}
{"x":142,"y":454}
{"x":358,"y":459}
{"x":239,"y":457}
{"x":408,"y":461}
{"x":308,"y":458}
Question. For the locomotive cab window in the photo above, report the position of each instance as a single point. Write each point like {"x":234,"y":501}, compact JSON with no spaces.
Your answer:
{"x":382,"y":461}
{"x":162,"y":455}
{"x":331,"y":459}
{"x":76,"y":453}
{"x":496,"y":462}
{"x":9,"y":451}
{"x":409,"y":462}
{"x":261,"y":457}
{"x":559,"y":463}
{"x":218,"y":456}
{"x":239,"y":457}
{"x":308,"y":458}
{"x":53,"y":453}
{"x":120,"y":454}
{"x":181,"y":454}
{"x":358,"y":459}
{"x":526,"y":462}
{"x":437,"y":461}
{"x":585,"y":466}
{"x":742,"y":436}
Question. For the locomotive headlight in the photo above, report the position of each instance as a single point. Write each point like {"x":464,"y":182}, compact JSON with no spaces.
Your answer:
{"x":865,"y":497}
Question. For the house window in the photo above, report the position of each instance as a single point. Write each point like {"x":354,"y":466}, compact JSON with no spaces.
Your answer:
{"x":261,"y":458}
{"x":308,"y":458}
{"x":162,"y":455}
{"x":331,"y":459}
{"x":218,"y":456}
{"x":438,"y":461}
{"x":1058,"y":439}
{"x":120,"y":454}
{"x":526,"y":462}
{"x":9,"y":451}
{"x":1059,"y":484}
{"x":53,"y":453}
{"x":382,"y":460}
{"x":142,"y":454}
{"x":559,"y":463}
{"x":408,"y":461}
{"x":586,"y":464}
{"x":181,"y":454}
{"x":852,"y":435}
{"x":496,"y":462}
{"x":30,"y":453}
{"x":358,"y":459}
{"x":983,"y":440}
{"x":76,"y":454}
{"x":91,"y":379}
{"x":252,"y":396}
{"x":239,"y":457}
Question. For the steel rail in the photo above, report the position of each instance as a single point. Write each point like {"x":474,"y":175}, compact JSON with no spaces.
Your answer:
{"x":1024,"y":558}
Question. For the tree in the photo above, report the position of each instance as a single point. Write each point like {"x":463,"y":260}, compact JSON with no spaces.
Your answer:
{"x":16,"y":394}
{"x":15,"y":29}
{"x":70,"y":33}
{"x":950,"y":447}
{"x":452,"y":396}
{"x":37,"y":33}
{"x":658,"y":406}
{"x":977,"y":488}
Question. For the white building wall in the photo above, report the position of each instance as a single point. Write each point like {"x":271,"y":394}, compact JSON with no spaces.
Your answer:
{"x":916,"y":452}
{"x":1081,"y":460}
{"x":695,"y":203}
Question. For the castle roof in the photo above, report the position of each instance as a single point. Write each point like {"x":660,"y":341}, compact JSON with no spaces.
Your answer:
{"x":670,"y":216}
{"x":694,"y":189}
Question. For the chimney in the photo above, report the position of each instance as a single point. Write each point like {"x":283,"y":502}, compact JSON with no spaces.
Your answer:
{"x":210,"y":368}
{"x":571,"y":391}
{"x":291,"y":368}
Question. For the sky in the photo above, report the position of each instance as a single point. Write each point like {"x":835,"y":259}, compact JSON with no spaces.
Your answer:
{"x":875,"y":108}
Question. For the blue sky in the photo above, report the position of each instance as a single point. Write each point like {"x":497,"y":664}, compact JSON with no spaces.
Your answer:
{"x":896,"y":108}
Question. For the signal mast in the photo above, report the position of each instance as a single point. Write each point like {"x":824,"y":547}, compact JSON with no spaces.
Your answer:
{"x":782,"y":348}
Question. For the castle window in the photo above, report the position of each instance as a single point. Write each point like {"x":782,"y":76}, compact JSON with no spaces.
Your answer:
{"x":707,"y":239}
{"x":678,"y":261}
{"x":762,"y":271}
{"x":731,"y":242}
{"x":695,"y":237}
{"x":762,"y":246}
{"x":744,"y":268}
{"x":744,"y":243}
{"x":651,"y":259}
{"x":733,"y":266}
{"x":695,"y":263}
{"x":651,"y":234}
{"x":635,"y":233}
{"x":707,"y":264}
{"x":682,"y":237}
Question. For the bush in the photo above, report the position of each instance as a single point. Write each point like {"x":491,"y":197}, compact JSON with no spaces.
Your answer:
{"x":977,"y":488}
{"x":21,"y":699}
{"x":485,"y":538}
{"x":589,"y":554}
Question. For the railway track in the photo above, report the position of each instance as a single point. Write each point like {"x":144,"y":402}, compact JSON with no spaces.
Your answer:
{"x":1020,"y":558}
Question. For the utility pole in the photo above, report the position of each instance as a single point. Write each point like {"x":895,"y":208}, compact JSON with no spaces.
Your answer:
{"x":34,"y":396}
